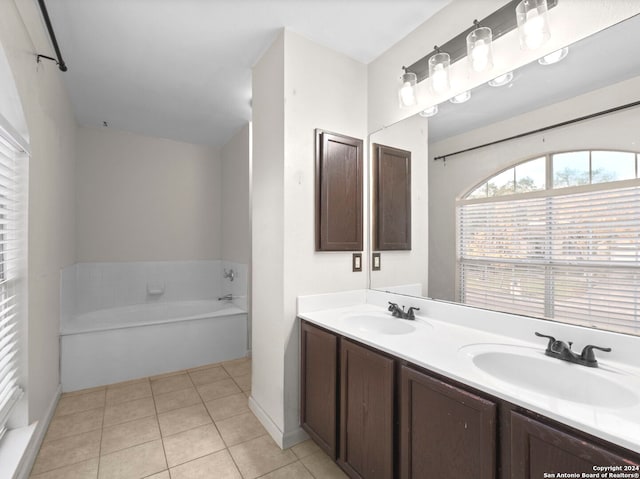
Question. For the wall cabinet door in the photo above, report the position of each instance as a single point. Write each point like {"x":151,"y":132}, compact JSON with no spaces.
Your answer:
{"x":445,"y":432}
{"x":366,"y":412}
{"x":319,"y":383}
{"x":537,"y":448}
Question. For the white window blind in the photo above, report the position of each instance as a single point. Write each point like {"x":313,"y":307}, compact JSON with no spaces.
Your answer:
{"x":11,"y":255}
{"x":568,"y":256}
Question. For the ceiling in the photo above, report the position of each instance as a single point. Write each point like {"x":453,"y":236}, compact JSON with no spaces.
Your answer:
{"x":603,"y":59}
{"x":181,"y":69}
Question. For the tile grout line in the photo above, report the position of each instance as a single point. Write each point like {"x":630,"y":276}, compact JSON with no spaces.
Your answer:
{"x":155,"y":407}
{"x":104,"y":412}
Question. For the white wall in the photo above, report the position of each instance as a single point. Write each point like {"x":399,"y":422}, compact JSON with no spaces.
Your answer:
{"x":51,"y":225}
{"x":407,"y":267}
{"x":267,"y":245}
{"x":235,"y":187}
{"x":141,"y":198}
{"x":298,"y":86}
{"x":448,"y":181}
{"x":571,"y":20}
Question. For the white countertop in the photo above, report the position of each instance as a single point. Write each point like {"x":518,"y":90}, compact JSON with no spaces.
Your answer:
{"x":445,"y":347}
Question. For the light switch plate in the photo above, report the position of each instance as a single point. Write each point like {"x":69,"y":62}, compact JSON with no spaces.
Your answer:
{"x":376,"y":264}
{"x":356,"y":262}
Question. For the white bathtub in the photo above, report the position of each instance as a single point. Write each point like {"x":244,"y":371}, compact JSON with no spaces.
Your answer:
{"x":118,"y":344}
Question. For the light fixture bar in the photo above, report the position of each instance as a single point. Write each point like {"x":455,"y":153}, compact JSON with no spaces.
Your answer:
{"x":500,"y":22}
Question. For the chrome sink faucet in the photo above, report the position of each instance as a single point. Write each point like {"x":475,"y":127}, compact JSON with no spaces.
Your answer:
{"x":396,"y":312}
{"x":562,"y":350}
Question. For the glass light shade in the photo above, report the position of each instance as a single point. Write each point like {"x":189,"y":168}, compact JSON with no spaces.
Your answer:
{"x":479,"y":49}
{"x":439,"y":72}
{"x":533,"y":23}
{"x":501,"y":80}
{"x":429,"y":112}
{"x":461,"y":98}
{"x":554,"y":57}
{"x":407,"y":91}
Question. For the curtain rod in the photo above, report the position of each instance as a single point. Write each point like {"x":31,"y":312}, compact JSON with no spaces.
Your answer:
{"x":61,"y":64}
{"x":539,"y":130}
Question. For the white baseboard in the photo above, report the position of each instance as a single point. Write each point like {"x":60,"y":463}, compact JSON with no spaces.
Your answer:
{"x":31,"y":452}
{"x":284,"y":440}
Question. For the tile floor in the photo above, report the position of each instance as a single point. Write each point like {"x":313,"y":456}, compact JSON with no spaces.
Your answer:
{"x":188,"y":424}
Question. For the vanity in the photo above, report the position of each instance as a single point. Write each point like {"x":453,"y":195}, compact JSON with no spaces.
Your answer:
{"x":438,"y":397}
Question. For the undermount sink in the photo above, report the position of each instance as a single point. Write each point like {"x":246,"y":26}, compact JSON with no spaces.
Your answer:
{"x":380,"y":323}
{"x":530,"y":369}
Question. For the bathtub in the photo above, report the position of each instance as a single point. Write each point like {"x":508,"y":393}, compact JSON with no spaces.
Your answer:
{"x":118,"y":344}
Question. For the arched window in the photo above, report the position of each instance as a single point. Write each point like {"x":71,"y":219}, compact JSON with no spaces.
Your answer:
{"x":556,"y":237}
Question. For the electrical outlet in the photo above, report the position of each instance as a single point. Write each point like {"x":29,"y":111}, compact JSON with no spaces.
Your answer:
{"x":375,"y":262}
{"x":356,"y":262}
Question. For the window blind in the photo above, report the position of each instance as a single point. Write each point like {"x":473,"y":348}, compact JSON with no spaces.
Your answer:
{"x":567,"y":256}
{"x":11,"y":254}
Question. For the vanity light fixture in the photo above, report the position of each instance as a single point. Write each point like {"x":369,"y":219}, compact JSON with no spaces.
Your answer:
{"x":439,"y":71}
{"x":529,"y":16}
{"x":461,"y":98}
{"x":533,"y":23}
{"x":479,"y":48}
{"x":429,"y":112}
{"x":554,"y":57}
{"x":407,"y":91}
{"x":501,"y":80}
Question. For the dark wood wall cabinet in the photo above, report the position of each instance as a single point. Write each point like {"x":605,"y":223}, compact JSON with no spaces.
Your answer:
{"x":339,"y":177}
{"x":394,"y":419}
{"x":391,"y":198}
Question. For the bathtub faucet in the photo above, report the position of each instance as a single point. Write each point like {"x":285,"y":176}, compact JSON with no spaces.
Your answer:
{"x":226,"y":297}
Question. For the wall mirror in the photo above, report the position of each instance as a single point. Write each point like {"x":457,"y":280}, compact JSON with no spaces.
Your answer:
{"x":600,"y":73}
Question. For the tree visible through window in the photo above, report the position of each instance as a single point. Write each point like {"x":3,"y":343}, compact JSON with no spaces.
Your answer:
{"x":556,"y":237}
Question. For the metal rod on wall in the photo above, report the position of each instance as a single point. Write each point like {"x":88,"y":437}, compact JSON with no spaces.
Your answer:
{"x":540,"y":130}
{"x":61,"y":64}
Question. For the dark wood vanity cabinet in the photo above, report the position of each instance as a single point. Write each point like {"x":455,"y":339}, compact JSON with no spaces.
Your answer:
{"x":538,"y":448}
{"x":319,"y":385}
{"x":445,"y":432}
{"x":380,"y":417}
{"x":366,"y":412}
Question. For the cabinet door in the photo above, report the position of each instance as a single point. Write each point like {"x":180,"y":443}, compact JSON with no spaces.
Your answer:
{"x":445,"y":432}
{"x":319,"y":382}
{"x":366,"y":412}
{"x":537,"y":448}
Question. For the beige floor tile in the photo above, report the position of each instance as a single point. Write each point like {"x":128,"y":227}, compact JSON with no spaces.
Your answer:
{"x":128,"y":392}
{"x":204,"y":366}
{"x":322,"y":466}
{"x":209,"y":375}
{"x":127,"y":434}
{"x":70,"y":424}
{"x":83,"y":391}
{"x":238,"y":367}
{"x":171,"y":383}
{"x":167,"y":374}
{"x":81,"y":402}
{"x":292,"y":471}
{"x":241,"y":428}
{"x":260,"y":456}
{"x":228,"y":406}
{"x":192,"y":444}
{"x":243,"y":382}
{"x":218,"y":389}
{"x":82,"y":470}
{"x":305,"y":449}
{"x":160,"y":475}
{"x":183,"y":419}
{"x":67,"y":451}
{"x":177,"y":399}
{"x":134,"y":462}
{"x":128,"y":411}
{"x":218,"y":465}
